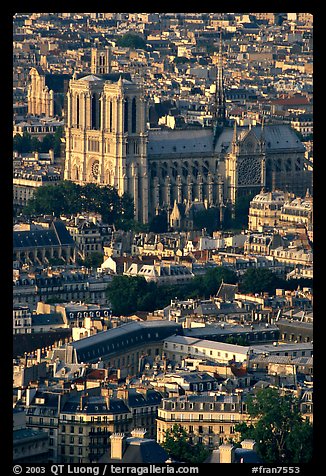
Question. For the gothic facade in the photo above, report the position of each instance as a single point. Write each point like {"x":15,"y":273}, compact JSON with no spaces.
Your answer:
{"x":107,"y":142}
{"x":46,"y":93}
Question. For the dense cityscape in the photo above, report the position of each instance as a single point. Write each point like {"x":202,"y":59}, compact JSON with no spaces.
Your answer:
{"x":163,"y":238}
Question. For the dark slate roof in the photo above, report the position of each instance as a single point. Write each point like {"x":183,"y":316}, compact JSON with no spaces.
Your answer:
{"x":47,"y":319}
{"x":125,"y":336}
{"x":227,"y":291}
{"x":30,"y":239}
{"x":140,"y":450}
{"x":56,"y":235}
{"x":139,"y":400}
{"x":28,"y":434}
{"x":96,"y":405}
{"x":57,"y":82}
{"x":62,"y":233}
{"x":278,"y":137}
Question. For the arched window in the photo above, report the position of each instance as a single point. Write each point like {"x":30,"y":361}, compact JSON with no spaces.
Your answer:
{"x":133,"y":116}
{"x":77,"y":111}
{"x":126,"y":116}
{"x":94,"y":112}
{"x":110,"y":116}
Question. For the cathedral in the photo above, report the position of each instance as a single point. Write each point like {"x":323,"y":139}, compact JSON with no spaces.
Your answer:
{"x":108,"y":143}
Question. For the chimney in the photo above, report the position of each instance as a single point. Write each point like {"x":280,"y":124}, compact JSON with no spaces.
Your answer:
{"x":19,"y":393}
{"x":138,"y":433}
{"x":248,"y":444}
{"x":118,"y":443}
{"x":226,"y":453}
{"x":30,"y":393}
{"x":122,"y":393}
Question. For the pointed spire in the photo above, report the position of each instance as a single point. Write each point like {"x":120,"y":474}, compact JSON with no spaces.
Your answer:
{"x":219,"y":112}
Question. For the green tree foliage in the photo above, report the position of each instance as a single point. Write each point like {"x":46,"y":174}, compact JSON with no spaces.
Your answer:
{"x":208,"y":284}
{"x":159,"y":223}
{"x":256,"y":280}
{"x":282,"y":436}
{"x":94,"y":260}
{"x":179,"y":448}
{"x":129,"y":294}
{"x":26,"y":143}
{"x":208,"y":219}
{"x":131,"y":40}
{"x":49,"y":200}
{"x":70,"y":198}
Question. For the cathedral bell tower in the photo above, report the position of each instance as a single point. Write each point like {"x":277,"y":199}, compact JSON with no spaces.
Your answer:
{"x":106,"y":139}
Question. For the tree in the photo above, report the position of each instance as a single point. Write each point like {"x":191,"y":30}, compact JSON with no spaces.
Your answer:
{"x":94,"y":260}
{"x":278,"y":428}
{"x":124,"y":294}
{"x":69,"y":198}
{"x":208,"y":219}
{"x":257,"y":280}
{"x":178,"y":446}
{"x":208,"y":285}
{"x":131,"y":40}
{"x":159,"y":223}
{"x":57,"y":141}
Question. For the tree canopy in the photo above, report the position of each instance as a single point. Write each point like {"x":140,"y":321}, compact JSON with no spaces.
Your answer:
{"x":178,"y":446}
{"x":26,"y":143}
{"x":256,"y":280}
{"x":128,"y":294}
{"x":69,"y":198}
{"x":277,"y":427}
{"x":131,"y":40}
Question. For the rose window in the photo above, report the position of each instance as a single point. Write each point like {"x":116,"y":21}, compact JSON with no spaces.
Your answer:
{"x":95,"y":170}
{"x":249,"y":171}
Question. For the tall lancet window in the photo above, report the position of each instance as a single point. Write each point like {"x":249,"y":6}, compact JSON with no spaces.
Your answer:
{"x":98,"y":118}
{"x":77,"y":111}
{"x":110,"y":115}
{"x":96,"y":111}
{"x":125,"y":129}
{"x":133,"y":115}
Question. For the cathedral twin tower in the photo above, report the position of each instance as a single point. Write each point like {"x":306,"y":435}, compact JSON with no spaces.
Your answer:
{"x":106,"y":139}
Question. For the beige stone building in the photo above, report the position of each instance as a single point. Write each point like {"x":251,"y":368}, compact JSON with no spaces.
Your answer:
{"x":280,"y":209}
{"x":208,"y":419}
{"x":46,"y":92}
